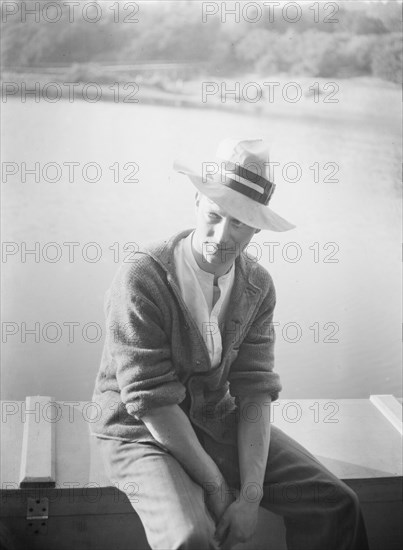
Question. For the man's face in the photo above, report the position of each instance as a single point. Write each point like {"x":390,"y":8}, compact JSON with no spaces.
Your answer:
{"x":218,"y":237}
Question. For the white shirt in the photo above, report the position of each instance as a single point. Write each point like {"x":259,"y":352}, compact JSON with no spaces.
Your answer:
{"x":207,"y":303}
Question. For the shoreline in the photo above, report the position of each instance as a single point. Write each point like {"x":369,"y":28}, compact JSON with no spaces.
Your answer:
{"x":338,"y":101}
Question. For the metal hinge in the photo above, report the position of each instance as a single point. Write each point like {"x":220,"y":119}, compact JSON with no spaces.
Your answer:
{"x":37,"y":515}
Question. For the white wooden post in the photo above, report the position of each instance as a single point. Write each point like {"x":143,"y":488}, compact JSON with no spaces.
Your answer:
{"x":38,"y":444}
{"x":390,"y":408}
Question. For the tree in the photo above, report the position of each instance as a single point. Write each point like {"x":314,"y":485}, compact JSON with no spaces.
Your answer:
{"x":387,"y":58}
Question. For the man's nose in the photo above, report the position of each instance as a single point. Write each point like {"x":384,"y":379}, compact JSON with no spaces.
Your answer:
{"x":222,"y":232}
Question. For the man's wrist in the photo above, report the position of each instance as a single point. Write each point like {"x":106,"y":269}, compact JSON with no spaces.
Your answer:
{"x":251,"y":494}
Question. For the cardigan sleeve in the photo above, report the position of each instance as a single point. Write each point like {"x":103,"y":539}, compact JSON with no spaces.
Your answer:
{"x":139,"y":349}
{"x":252,"y":370}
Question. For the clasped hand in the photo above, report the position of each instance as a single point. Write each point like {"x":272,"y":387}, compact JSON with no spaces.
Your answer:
{"x":236,"y":523}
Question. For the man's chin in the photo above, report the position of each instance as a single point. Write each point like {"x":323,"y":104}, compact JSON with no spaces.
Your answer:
{"x":213,"y":259}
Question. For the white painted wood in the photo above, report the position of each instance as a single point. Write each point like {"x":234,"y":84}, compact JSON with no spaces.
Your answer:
{"x":38,"y":444}
{"x":390,"y":408}
{"x":350,"y":437}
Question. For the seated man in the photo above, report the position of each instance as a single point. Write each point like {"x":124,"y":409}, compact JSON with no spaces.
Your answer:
{"x":186,"y":381}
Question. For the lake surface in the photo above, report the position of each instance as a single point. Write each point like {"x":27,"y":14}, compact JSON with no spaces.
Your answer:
{"x":338,"y":307}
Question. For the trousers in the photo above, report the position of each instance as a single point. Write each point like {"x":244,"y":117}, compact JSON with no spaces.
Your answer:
{"x":320,"y":511}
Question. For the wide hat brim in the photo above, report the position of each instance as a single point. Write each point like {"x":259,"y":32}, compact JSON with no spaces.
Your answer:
{"x":236,"y":204}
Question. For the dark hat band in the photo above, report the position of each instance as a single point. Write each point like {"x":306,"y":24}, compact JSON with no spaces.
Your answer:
{"x":248,"y":183}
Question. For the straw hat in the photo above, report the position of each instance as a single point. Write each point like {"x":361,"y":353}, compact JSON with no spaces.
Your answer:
{"x":238,"y":180}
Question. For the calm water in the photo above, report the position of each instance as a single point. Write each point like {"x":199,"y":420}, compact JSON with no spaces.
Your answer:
{"x":345,"y":315}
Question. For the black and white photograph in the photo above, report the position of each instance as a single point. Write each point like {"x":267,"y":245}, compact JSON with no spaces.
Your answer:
{"x":201,"y":219}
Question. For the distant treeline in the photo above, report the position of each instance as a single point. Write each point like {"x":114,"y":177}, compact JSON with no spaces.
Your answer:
{"x":365,"y":40}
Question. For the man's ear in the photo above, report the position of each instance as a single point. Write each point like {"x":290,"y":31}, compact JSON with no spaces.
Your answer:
{"x":197,"y":198}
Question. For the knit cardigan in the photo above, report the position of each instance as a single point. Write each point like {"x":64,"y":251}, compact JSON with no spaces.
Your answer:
{"x":154,"y":353}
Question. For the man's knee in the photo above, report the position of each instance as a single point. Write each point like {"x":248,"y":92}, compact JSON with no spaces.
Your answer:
{"x":341,"y":505}
{"x":347,"y":500}
{"x":351,"y":508}
{"x":336,"y":499}
{"x":351,"y":500}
